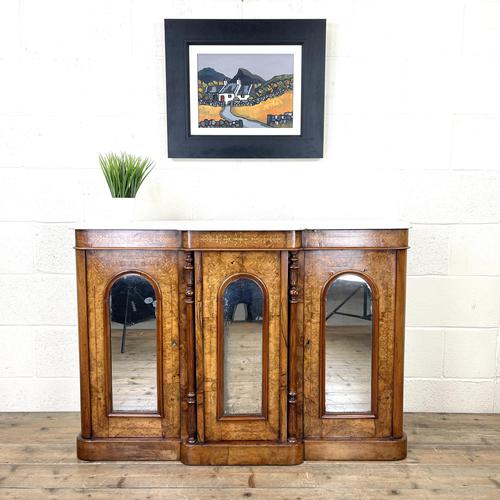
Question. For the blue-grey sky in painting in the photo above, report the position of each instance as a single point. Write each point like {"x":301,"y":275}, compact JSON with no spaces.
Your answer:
{"x":264,"y":65}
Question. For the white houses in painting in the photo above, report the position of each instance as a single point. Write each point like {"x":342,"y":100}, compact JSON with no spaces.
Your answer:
{"x":212,"y":91}
{"x":234,"y":91}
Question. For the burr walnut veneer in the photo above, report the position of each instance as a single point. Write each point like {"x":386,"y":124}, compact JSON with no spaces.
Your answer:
{"x":262,"y":346}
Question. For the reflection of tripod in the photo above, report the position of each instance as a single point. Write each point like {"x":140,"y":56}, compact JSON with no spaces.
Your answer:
{"x":124,"y":331}
{"x":135,"y":302}
{"x":367,"y":316}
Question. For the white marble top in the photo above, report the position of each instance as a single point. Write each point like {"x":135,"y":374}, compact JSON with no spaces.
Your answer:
{"x":245,"y":225}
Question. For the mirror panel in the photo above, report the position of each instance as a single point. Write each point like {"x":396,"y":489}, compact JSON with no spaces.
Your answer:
{"x":242,"y":350}
{"x":133,"y":342}
{"x":348,"y":345}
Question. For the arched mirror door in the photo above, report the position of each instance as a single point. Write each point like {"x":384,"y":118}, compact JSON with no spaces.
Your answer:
{"x":348,"y":346}
{"x":242,"y":348}
{"x":133,"y":344}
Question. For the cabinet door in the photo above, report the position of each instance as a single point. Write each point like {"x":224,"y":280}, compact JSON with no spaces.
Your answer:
{"x":242,"y":346}
{"x":349,"y":299}
{"x":133,"y":334}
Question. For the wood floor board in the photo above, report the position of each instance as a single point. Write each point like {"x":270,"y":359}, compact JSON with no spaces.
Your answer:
{"x":233,"y":493}
{"x":450,"y":456}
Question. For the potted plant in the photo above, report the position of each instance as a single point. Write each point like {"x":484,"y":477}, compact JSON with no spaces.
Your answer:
{"x":124,"y":174}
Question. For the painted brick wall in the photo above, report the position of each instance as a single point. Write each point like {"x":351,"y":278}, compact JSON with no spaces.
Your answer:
{"x":412,"y":131}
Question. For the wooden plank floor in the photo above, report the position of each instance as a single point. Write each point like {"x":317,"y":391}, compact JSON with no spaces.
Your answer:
{"x":450,"y":456}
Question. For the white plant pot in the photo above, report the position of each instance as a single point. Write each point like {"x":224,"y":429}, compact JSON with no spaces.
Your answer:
{"x":120,"y":209}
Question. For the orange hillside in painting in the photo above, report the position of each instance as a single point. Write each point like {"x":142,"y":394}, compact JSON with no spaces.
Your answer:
{"x":208,"y":112}
{"x":274,"y":106}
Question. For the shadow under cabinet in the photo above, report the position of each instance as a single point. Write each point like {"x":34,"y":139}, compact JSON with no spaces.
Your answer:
{"x":241,"y":347}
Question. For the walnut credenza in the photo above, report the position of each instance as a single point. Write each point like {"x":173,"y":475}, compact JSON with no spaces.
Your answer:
{"x":241,"y":346}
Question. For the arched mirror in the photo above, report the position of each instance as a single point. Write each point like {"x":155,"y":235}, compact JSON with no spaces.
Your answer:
{"x":244,"y":366}
{"x":348,"y":341}
{"x":133,"y":342}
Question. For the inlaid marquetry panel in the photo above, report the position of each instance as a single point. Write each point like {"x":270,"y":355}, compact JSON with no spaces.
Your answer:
{"x":241,"y":240}
{"x":127,"y":238}
{"x":355,"y":238}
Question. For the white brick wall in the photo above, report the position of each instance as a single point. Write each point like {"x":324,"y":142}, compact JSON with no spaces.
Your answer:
{"x":412,"y":127}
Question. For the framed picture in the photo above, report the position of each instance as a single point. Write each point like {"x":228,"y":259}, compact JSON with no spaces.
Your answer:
{"x":245,"y":88}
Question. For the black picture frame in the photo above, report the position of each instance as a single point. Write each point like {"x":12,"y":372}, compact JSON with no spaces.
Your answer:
{"x":309,"y":33}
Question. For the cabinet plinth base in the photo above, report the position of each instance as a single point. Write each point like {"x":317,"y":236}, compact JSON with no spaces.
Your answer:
{"x":239,"y":453}
{"x":127,"y":449}
{"x":235,"y":453}
{"x":355,"y":449}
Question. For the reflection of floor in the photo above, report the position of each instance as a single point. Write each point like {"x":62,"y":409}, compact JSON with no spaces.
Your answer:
{"x":348,"y":374}
{"x":134,"y":371}
{"x":243,"y":368}
{"x":348,"y":369}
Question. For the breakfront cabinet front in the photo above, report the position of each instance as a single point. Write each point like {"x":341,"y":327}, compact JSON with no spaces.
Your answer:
{"x":241,"y":347}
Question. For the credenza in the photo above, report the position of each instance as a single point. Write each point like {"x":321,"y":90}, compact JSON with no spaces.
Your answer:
{"x":226,"y":344}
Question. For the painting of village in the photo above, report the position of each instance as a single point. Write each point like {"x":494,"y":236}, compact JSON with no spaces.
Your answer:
{"x":245,"y":91}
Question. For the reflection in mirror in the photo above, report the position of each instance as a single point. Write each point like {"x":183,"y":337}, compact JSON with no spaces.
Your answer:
{"x":132,"y":306}
{"x":348,"y":345}
{"x":243,"y":304}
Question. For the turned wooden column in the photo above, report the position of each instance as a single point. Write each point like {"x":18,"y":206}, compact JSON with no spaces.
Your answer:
{"x":293,"y":297}
{"x":190,"y":349}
